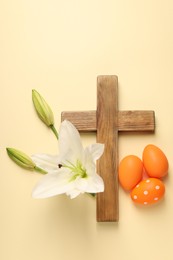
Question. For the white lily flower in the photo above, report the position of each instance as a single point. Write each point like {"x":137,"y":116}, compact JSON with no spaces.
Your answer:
{"x":73,"y":171}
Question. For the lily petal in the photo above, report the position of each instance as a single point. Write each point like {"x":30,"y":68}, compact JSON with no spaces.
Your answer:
{"x":95,"y":184}
{"x":90,"y":155}
{"x":73,"y":193}
{"x":88,"y":162}
{"x":96,"y":150}
{"x":53,"y":184}
{"x":46,"y":161}
{"x":70,"y":145}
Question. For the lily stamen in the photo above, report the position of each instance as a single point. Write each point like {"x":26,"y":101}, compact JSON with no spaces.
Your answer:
{"x":78,"y":170}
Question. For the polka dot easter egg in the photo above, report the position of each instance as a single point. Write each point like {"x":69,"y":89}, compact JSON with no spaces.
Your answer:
{"x":148,"y":191}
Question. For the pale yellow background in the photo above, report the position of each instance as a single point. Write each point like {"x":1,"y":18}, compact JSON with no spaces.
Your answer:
{"x":59,"y":48}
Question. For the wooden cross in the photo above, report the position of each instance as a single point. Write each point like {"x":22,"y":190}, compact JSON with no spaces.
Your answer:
{"x":107,"y":120}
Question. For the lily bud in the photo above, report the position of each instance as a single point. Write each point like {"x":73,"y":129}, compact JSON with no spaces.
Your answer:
{"x":20,"y":158}
{"x":43,"y":109}
{"x":23,"y":160}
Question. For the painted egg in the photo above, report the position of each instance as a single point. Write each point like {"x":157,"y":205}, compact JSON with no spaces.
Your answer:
{"x":130,"y":171}
{"x":155,"y":161}
{"x":148,"y":191}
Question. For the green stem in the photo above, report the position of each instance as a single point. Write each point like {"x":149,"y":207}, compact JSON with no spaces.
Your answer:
{"x":54,"y":131}
{"x":38,"y":169}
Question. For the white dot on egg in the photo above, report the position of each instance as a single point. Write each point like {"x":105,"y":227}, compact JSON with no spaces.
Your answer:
{"x":145,"y":202}
{"x":147,"y":181}
{"x":157,"y":187}
{"x":145,"y":192}
{"x":156,"y":198}
{"x":135,"y":197}
{"x":137,"y":186}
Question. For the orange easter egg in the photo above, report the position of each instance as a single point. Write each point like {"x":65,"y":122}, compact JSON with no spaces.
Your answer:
{"x":155,"y":161}
{"x":130,"y":171}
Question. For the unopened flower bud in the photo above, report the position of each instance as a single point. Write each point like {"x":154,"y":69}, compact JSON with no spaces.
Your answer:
{"x":43,"y":110}
{"x":23,"y":160}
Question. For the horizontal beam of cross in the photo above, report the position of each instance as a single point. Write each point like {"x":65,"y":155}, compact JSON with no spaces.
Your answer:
{"x":128,"y":121}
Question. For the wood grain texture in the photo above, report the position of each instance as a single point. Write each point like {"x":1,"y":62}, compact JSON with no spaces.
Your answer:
{"x":84,"y":121}
{"x":107,"y":133}
{"x":136,"y":121}
{"x":128,"y":121}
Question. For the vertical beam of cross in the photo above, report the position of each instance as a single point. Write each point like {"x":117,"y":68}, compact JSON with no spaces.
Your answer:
{"x":107,"y":133}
